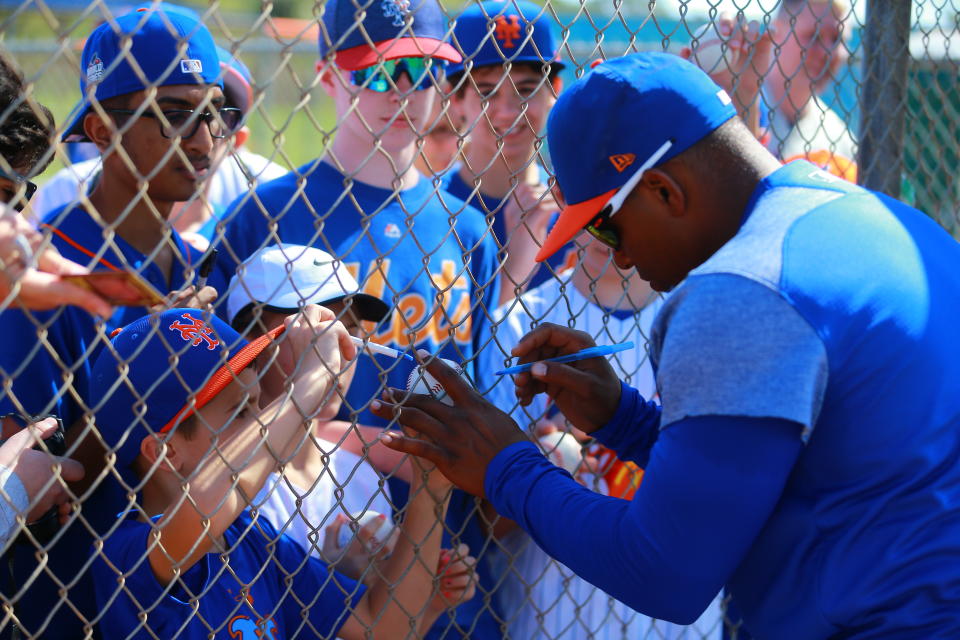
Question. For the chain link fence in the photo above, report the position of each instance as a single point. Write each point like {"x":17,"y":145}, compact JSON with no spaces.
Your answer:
{"x":423,"y":196}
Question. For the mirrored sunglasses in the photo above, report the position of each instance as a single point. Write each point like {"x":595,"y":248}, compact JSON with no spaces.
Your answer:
{"x":384,"y":76}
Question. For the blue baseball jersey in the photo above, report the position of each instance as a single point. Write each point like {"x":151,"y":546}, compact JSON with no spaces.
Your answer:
{"x":50,"y":373}
{"x":806,"y":451}
{"x":424,"y":252}
{"x":493,"y":208}
{"x":267,"y":586}
{"x":428,"y":255}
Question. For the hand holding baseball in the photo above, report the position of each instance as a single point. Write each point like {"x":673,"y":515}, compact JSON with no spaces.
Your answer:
{"x":461,"y":439}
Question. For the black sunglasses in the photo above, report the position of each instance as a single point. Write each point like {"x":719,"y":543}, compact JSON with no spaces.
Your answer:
{"x":185,"y":122}
{"x":18,"y":201}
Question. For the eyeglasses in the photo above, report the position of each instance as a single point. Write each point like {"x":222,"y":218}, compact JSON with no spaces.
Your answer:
{"x":599,"y":226}
{"x":19,"y":201}
{"x":185,"y":122}
{"x":384,"y":76}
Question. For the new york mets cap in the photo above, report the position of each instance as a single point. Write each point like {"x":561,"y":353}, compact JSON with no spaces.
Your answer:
{"x":361,"y":33}
{"x":495,"y":32}
{"x":148,"y":47}
{"x":287,"y":277}
{"x":160,"y":369}
{"x":614,"y":119}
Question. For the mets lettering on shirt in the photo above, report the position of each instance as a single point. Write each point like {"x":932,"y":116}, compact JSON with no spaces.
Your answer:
{"x":415,"y":318}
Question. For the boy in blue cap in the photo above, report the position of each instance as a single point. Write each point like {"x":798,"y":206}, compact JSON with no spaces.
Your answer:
{"x":502,"y":93}
{"x":785,"y":461}
{"x":424,"y":252}
{"x":181,"y":408}
{"x":152,"y":97}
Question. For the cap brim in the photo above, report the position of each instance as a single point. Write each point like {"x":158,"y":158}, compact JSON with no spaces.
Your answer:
{"x":366,"y":56}
{"x":75,"y":132}
{"x":571,"y":221}
{"x":224,"y":376}
{"x":368,"y":307}
{"x":240,"y":91}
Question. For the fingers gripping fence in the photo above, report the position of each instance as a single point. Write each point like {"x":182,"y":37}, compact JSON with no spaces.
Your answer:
{"x":408,"y":192}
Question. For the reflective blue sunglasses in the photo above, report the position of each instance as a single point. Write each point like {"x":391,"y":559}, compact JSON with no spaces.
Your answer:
{"x":384,"y":76}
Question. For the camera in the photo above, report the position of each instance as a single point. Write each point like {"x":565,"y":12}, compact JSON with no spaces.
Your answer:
{"x":44,"y":529}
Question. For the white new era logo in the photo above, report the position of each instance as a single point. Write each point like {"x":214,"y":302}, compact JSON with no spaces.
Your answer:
{"x":724,"y":97}
{"x":191,"y":66}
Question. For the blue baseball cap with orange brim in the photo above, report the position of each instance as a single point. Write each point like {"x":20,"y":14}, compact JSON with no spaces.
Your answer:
{"x":615,"y":120}
{"x":161,"y":369}
{"x":501,"y":31}
{"x":356,"y":34}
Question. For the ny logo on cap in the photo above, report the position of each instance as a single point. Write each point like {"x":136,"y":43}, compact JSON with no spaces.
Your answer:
{"x":95,"y":68}
{"x":195,"y":331}
{"x":191,"y":66}
{"x":621,"y":161}
{"x":508,"y":30}
{"x":396,"y":9}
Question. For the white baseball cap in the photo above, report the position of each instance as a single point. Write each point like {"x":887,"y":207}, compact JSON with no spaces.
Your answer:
{"x":287,"y":276}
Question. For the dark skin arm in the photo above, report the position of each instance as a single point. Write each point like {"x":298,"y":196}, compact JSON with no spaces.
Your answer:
{"x":462,"y":439}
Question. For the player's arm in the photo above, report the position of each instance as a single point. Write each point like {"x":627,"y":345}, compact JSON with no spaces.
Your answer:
{"x":710,"y":486}
{"x":236,"y":470}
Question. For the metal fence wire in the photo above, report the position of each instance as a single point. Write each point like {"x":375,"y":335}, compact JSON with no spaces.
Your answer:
{"x":407,"y":196}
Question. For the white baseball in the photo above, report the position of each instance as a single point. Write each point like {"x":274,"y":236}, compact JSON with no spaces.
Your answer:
{"x":562,"y":449}
{"x":348,"y":530}
{"x":708,"y":49}
{"x":420,"y":381}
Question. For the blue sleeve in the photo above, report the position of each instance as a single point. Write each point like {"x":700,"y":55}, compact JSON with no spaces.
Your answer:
{"x":711,"y":484}
{"x":328,"y":597}
{"x":634,"y":428}
{"x":40,"y":348}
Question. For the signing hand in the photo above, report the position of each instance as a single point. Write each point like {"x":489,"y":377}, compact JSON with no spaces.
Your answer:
{"x":586,"y":391}
{"x":188,"y":297}
{"x":461,"y":439}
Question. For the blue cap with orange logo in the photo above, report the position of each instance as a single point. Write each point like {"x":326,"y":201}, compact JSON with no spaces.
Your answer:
{"x":145,"y":48}
{"x":160,"y":369}
{"x":361,"y":33}
{"x":495,"y":32}
{"x":625,"y":115}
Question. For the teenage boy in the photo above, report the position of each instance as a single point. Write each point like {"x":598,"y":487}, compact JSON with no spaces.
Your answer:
{"x":181,"y":407}
{"x":425,"y":252}
{"x":168,"y":135}
{"x":502,"y":93}
{"x":234,"y":169}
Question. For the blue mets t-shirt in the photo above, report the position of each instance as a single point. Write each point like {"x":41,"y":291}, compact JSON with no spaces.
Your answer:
{"x":264,"y":586}
{"x":422,"y":251}
{"x":493,"y":208}
{"x":50,"y":374}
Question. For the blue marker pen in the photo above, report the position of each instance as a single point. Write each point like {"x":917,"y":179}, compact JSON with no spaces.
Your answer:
{"x":592,"y":352}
